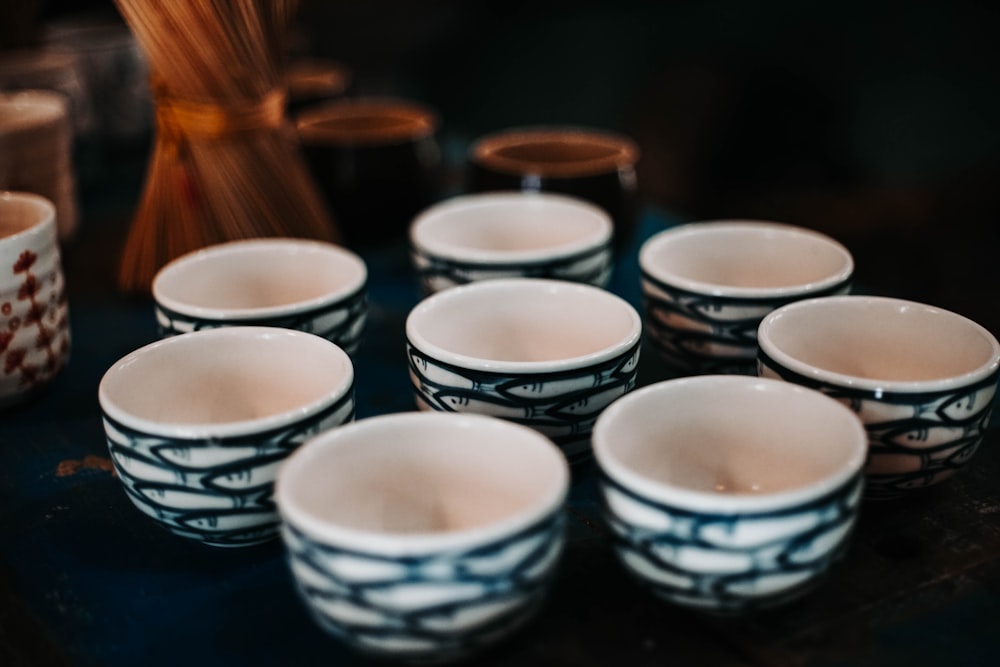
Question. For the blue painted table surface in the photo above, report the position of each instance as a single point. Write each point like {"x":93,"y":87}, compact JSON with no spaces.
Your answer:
{"x":85,"y":579}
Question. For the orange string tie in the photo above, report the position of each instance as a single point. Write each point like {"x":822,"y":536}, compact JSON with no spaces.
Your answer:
{"x":179,"y":120}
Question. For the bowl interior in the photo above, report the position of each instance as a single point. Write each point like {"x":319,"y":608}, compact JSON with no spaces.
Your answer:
{"x":522,"y":320}
{"x":878,"y":339}
{"x":510,"y":225}
{"x":421,"y":473}
{"x":21,"y":211}
{"x":220,"y":377}
{"x":728,"y":435}
{"x":258,"y":275}
{"x":745,"y":255}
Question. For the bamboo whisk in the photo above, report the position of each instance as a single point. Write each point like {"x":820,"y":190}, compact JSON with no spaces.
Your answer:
{"x":225,"y":164}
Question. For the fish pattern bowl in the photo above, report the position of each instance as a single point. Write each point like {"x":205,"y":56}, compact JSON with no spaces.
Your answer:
{"x":198,"y":424}
{"x":424,"y":536}
{"x":548,"y":354}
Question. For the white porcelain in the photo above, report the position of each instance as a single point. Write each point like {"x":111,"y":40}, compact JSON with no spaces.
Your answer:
{"x":423,"y":536}
{"x":34,"y":310}
{"x":921,"y":378}
{"x":511,"y":234}
{"x":549,"y":354}
{"x":707,"y":285}
{"x":300,"y":284}
{"x":729,"y":493}
{"x":198,"y":424}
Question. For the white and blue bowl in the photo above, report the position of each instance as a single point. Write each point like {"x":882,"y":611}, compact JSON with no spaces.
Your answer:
{"x":728,"y":493}
{"x":548,"y":354}
{"x":423,"y":536}
{"x":922,"y":379}
{"x":508,"y":235}
{"x":707,"y":285}
{"x":198,"y":424}
{"x":299,"y":284}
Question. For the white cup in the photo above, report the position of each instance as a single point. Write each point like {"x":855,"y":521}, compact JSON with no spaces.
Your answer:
{"x":511,"y":235}
{"x":34,"y":312}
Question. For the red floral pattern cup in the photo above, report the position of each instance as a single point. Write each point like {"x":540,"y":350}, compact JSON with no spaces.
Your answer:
{"x":34,"y":314}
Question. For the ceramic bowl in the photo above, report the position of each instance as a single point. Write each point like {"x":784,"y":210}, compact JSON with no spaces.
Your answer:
{"x":549,"y":354}
{"x":309,"y":286}
{"x":198,"y":424}
{"x":728,"y":493}
{"x":423,"y":536}
{"x":707,"y":285}
{"x":506,"y":235}
{"x":34,"y":310}
{"x":921,"y":378}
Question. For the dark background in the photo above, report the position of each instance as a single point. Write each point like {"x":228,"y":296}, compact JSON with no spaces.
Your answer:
{"x":873,"y":121}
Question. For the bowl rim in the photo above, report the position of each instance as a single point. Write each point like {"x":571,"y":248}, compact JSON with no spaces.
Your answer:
{"x":311,"y":123}
{"x":46,"y":218}
{"x":688,"y":499}
{"x":626,"y":151}
{"x":425,"y":230}
{"x":284,"y":245}
{"x":482,"y":288}
{"x":293,"y":512}
{"x":880,"y":386}
{"x":110,"y":407}
{"x":669,"y":279}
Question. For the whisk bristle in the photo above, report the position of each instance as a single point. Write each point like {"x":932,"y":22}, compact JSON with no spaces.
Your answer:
{"x":225,"y":165}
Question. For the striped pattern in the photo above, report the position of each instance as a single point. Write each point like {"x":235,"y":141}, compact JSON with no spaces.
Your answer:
{"x":915,"y":439}
{"x":592,"y":267}
{"x":562,"y":405}
{"x":699,"y":333}
{"x":728,"y":563}
{"x":341,"y":322}
{"x":439,"y":606}
{"x":219,"y":490}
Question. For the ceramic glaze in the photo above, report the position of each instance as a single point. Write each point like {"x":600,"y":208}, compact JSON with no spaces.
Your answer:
{"x":922,"y":379}
{"x":486,"y":236}
{"x":423,"y":536}
{"x":729,"y":493}
{"x":707,"y":285}
{"x":297,"y":284}
{"x":197,"y":425}
{"x":543,"y":353}
{"x":34,"y":309}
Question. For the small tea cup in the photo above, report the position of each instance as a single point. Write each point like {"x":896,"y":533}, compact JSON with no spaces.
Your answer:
{"x":34,"y":310}
{"x":707,"y":285}
{"x":922,"y":379}
{"x":310,"y":286}
{"x":549,"y":354}
{"x":728,"y":493}
{"x":198,"y":424}
{"x":507,"y":235}
{"x":423,"y":536}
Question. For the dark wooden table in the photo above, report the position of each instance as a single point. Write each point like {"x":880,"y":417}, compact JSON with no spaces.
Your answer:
{"x":85,"y":579}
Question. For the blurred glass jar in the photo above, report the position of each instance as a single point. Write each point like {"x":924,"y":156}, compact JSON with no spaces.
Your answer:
{"x":593,"y":164}
{"x":376,"y":160}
